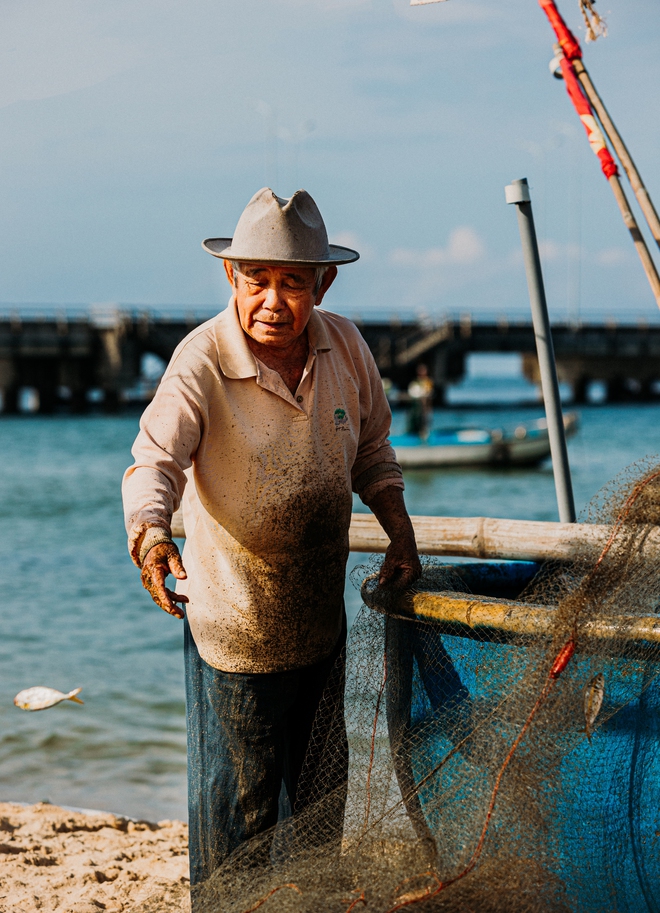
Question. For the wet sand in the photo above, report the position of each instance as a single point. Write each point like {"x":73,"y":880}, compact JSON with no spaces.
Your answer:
{"x":52,"y":859}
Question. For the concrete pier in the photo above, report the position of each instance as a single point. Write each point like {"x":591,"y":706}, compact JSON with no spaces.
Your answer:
{"x":69,"y":359}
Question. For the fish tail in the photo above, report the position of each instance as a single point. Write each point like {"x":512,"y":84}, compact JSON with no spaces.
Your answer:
{"x":72,"y":696}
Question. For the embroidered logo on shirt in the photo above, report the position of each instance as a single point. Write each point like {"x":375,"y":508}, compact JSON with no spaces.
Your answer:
{"x":341,"y":420}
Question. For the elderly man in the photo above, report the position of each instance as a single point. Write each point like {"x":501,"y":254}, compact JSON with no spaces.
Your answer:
{"x":267,"y":417}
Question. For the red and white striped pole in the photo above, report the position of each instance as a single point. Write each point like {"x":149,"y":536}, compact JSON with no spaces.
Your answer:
{"x":569,"y":51}
{"x":572,"y":51}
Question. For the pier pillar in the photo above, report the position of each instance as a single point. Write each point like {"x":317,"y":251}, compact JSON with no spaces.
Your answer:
{"x":10,"y":400}
{"x":616,"y":390}
{"x":78,"y":376}
{"x":9,"y":386}
{"x":111,"y":401}
{"x":42,"y":374}
{"x":78,"y":402}
{"x":648,"y":393}
{"x":47,"y":398}
{"x":580,"y":389}
{"x":439,"y":395}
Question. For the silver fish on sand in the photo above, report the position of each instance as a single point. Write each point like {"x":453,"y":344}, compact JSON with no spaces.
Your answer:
{"x":594,"y":692}
{"x":41,"y":698}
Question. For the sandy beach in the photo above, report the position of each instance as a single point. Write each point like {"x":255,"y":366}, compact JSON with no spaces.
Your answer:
{"x":52,"y":859}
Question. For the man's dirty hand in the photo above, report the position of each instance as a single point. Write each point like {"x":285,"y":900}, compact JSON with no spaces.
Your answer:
{"x":401,"y":567}
{"x":161,"y":560}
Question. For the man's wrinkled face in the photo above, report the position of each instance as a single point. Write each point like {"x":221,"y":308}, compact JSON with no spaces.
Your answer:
{"x":275,"y":303}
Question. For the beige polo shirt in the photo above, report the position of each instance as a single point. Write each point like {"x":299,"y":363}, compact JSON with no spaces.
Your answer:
{"x":265,"y":478}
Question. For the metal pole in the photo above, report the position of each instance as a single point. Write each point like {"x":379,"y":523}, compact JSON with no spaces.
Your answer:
{"x":518,"y":192}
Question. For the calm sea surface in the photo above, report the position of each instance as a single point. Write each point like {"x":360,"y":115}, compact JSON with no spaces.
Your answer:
{"x":74,"y":613}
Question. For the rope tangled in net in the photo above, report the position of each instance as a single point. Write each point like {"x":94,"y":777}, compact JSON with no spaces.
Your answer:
{"x":596,"y":25}
{"x":279,"y":887}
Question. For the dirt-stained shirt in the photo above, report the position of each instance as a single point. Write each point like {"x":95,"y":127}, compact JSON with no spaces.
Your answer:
{"x":265,"y":478}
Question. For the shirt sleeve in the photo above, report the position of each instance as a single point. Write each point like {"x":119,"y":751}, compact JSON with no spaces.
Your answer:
{"x":171,"y":428}
{"x":375,"y":466}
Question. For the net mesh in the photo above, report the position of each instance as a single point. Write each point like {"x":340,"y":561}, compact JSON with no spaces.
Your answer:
{"x":505,"y":763}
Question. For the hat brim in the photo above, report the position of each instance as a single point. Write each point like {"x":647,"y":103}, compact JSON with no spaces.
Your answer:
{"x":221,"y":247}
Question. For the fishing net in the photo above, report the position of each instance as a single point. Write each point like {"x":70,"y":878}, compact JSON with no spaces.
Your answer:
{"x":503,"y":724}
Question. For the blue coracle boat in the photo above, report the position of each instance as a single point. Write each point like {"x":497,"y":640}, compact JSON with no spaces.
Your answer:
{"x":597,"y":802}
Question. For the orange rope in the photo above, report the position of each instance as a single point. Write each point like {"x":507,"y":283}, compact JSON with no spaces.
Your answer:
{"x":357,"y":900}
{"x":625,"y":510}
{"x":294,"y":887}
{"x":410,"y":898}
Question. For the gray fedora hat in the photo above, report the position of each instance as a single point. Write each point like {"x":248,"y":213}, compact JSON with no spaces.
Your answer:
{"x":276,"y":230}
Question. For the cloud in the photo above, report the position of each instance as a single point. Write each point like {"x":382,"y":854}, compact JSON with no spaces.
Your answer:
{"x":555,"y":252}
{"x":551,"y":251}
{"x":354,"y":241}
{"x":465,"y":247}
{"x":612,"y":256}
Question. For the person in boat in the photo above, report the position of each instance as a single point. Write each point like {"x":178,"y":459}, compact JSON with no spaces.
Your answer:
{"x":420,"y":411}
{"x":267,"y":418}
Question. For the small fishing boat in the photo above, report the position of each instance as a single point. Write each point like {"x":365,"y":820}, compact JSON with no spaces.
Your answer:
{"x":526,"y":445}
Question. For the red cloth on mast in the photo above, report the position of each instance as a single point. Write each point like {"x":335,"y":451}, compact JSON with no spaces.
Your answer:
{"x":586,"y":115}
{"x":567,"y":40}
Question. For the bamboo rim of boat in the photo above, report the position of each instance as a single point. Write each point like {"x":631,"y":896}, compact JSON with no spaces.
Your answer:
{"x":491,"y":619}
{"x":482,"y":615}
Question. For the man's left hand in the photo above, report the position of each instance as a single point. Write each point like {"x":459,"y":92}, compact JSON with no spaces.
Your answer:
{"x":401,"y":567}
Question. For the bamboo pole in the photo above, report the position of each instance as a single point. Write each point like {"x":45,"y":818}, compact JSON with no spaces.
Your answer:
{"x":636,"y":235}
{"x":483,"y":537}
{"x":480,"y":537}
{"x":608,"y":165}
{"x":624,"y":156}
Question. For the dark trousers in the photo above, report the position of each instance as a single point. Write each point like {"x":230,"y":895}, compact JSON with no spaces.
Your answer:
{"x":249,"y":734}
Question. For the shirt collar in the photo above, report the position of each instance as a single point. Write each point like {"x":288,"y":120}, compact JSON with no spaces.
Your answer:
{"x":317,"y":333}
{"x":234,"y":356}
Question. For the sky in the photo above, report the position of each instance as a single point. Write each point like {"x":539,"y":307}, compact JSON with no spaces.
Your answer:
{"x":129,"y":132}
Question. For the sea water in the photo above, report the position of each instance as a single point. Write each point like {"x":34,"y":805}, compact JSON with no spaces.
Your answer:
{"x":74,"y":614}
